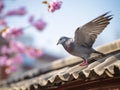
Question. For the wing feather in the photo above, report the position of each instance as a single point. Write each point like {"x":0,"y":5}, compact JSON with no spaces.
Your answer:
{"x":87,"y":34}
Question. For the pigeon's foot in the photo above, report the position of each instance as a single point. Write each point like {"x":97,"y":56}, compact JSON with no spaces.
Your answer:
{"x":84,"y":63}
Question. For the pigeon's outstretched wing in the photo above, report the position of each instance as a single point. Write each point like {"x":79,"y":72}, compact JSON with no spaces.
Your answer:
{"x":87,"y":34}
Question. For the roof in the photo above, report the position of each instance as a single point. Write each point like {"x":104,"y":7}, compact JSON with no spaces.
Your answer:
{"x":68,"y":69}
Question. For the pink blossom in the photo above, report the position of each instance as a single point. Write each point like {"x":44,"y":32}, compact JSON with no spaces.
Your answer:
{"x":20,"y":11}
{"x":11,"y":69}
{"x":6,"y":50}
{"x":16,"y":32}
{"x":54,"y":5}
{"x":18,"y":59}
{"x":40,"y":24}
{"x":33,"y":53}
{"x":31,"y":19}
{"x":3,"y":60}
{"x":1,"y":6}
{"x":15,"y":60}
{"x":12,"y":33}
{"x":12,"y":62}
{"x":9,"y":62}
{"x":3,"y":22}
{"x":17,"y":46}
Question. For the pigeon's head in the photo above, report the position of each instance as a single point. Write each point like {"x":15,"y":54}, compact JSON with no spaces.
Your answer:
{"x":62,"y":40}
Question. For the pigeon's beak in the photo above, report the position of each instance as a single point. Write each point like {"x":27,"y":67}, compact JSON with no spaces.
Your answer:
{"x":58,"y":42}
{"x":61,"y":41}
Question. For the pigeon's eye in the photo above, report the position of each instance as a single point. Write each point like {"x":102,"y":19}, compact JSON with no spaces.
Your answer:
{"x":60,"y":39}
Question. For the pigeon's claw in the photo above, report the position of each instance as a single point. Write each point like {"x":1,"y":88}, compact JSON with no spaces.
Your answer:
{"x":84,"y":63}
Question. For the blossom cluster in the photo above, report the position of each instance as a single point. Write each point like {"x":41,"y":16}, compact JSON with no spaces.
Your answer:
{"x":12,"y":33}
{"x":53,"y":5}
{"x":39,"y":24}
{"x":11,"y":53}
{"x":20,"y":11}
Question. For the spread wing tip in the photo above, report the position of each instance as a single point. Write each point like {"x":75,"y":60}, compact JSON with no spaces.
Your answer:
{"x":108,"y":16}
{"x":104,"y":17}
{"x":106,"y":13}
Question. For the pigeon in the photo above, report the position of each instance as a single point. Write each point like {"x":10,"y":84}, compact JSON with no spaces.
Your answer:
{"x":85,"y":36}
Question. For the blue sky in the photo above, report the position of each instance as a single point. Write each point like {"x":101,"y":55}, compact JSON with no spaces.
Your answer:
{"x":73,"y":13}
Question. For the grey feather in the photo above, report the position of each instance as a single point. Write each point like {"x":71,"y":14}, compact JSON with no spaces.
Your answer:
{"x":87,"y":34}
{"x":85,"y":37}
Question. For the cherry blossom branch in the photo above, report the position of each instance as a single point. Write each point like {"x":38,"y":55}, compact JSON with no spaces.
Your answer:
{"x":11,"y":54}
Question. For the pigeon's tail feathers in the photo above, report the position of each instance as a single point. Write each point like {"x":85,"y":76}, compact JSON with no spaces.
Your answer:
{"x":102,"y":54}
